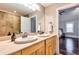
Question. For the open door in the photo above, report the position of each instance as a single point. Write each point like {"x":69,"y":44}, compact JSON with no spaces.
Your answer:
{"x":33,"y":24}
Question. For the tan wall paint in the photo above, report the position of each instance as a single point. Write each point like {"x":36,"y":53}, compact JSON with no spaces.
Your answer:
{"x":8,"y":23}
{"x":50,"y":15}
{"x":40,"y":17}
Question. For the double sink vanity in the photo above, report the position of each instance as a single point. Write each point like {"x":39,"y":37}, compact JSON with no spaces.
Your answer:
{"x":19,"y":31}
{"x":32,"y":45}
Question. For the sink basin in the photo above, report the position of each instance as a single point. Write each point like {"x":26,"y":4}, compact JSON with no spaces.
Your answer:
{"x":43,"y":35}
{"x":28,"y":39}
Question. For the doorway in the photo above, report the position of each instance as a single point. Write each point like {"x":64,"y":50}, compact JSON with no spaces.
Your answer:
{"x":33,"y":24}
{"x":68,"y":30}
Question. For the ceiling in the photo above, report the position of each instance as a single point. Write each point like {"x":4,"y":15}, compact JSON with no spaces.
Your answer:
{"x":19,"y":8}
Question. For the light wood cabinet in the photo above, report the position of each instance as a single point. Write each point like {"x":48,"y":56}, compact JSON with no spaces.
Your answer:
{"x":54,"y":44}
{"x":51,"y":45}
{"x":46,"y":47}
{"x":36,"y":49}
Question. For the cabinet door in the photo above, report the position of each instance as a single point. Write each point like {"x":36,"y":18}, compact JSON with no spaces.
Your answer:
{"x":36,"y":49}
{"x":40,"y":51}
{"x":50,"y":46}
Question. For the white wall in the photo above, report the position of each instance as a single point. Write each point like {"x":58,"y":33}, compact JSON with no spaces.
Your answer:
{"x":51,"y":14}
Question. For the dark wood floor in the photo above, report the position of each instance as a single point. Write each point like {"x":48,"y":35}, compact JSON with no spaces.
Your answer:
{"x":69,"y":46}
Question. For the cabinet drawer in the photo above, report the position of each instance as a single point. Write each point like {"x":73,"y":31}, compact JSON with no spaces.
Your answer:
{"x":49,"y":40}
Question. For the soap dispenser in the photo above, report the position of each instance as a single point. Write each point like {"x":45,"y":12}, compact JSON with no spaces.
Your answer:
{"x":50,"y":27}
{"x":9,"y":33}
{"x":39,"y":28}
{"x":13,"y":37}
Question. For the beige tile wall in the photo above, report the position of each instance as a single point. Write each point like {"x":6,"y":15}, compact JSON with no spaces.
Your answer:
{"x":8,"y":23}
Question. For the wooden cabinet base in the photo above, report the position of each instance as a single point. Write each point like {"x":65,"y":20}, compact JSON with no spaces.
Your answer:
{"x":46,"y":47}
{"x":36,"y":49}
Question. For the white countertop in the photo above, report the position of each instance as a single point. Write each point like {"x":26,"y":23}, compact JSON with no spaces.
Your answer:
{"x":8,"y":47}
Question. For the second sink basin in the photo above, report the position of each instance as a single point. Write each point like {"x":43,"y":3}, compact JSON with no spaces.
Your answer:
{"x":43,"y":35}
{"x":28,"y":39}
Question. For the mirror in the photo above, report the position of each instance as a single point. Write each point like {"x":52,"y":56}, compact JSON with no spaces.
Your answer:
{"x":21,"y":18}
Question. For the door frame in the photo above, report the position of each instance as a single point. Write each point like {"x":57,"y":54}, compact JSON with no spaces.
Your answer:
{"x":57,"y":18}
{"x":36,"y":20}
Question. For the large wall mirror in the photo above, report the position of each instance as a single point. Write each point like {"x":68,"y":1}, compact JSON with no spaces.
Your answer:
{"x":21,"y":18}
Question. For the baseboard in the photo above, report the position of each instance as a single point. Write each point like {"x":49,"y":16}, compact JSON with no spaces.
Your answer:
{"x":72,"y":36}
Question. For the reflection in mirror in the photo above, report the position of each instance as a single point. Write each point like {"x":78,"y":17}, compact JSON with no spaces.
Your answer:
{"x":21,"y":18}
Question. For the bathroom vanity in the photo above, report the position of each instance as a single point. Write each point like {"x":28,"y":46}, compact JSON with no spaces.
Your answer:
{"x":44,"y":45}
